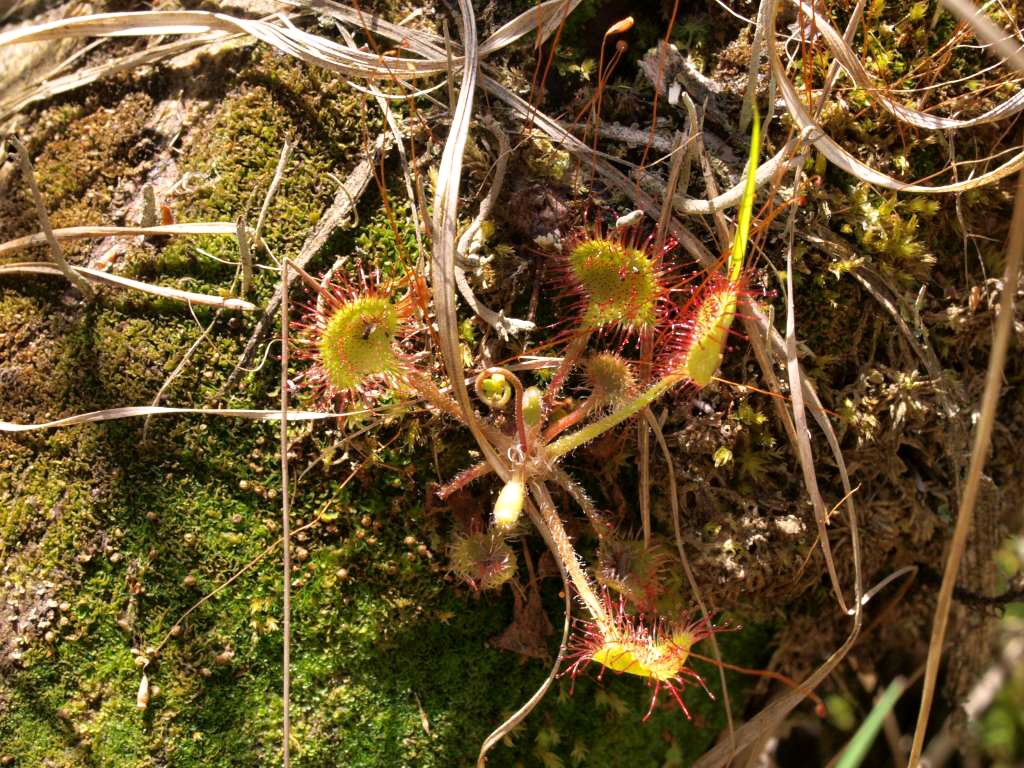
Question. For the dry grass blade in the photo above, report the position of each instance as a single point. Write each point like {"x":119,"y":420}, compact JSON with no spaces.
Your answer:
{"x":134,"y":411}
{"x":84,"y":233}
{"x":189,"y":297}
{"x":545,"y":18}
{"x":803,"y":442}
{"x":44,"y":220}
{"x":811,"y":131}
{"x":521,"y":714}
{"x":1005,"y":45}
{"x":849,"y":60}
{"x":312,"y":49}
{"x":442,"y":273}
{"x":431,"y":45}
{"x":541,"y":20}
{"x":399,"y":143}
{"x":275,"y":182}
{"x":37,"y":92}
{"x":979,"y":453}
{"x":769,"y":718}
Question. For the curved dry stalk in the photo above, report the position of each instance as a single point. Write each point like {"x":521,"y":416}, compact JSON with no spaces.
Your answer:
{"x":189,"y":297}
{"x":673,"y":498}
{"x":275,"y":182}
{"x":40,"y":91}
{"x":979,"y":453}
{"x":803,"y":443}
{"x":520,"y":714}
{"x":442,"y":273}
{"x":44,"y":220}
{"x":288,"y":39}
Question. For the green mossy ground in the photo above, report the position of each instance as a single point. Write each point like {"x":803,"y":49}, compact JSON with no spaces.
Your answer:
{"x":107,"y":541}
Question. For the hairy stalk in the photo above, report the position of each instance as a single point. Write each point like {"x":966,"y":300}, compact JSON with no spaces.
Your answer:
{"x":429,"y":391}
{"x":568,"y":443}
{"x":566,"y":555}
{"x":571,"y":419}
{"x":580,"y":497}
{"x":569,"y":358}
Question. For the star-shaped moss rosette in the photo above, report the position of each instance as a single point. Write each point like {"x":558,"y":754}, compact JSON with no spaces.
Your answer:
{"x":633,"y":645}
{"x":352,"y":337}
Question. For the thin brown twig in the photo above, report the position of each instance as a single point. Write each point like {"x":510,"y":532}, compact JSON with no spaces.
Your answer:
{"x":982,"y":440}
{"x":286,"y":626}
{"x":275,"y":183}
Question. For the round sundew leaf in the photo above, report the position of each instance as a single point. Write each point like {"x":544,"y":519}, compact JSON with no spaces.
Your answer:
{"x":611,"y":378}
{"x":620,"y":283}
{"x":657,"y":661}
{"x":357,"y":341}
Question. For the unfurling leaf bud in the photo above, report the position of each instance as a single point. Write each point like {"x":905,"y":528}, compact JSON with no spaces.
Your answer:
{"x":495,"y":391}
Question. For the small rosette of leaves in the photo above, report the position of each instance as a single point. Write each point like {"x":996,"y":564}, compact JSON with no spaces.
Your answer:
{"x":482,"y":560}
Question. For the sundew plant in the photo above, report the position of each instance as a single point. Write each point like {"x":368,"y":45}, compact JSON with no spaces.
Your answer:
{"x":348,"y":353}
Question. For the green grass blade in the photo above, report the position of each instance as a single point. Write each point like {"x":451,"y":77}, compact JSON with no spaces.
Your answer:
{"x":862,"y":740}
{"x":739,"y":243}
